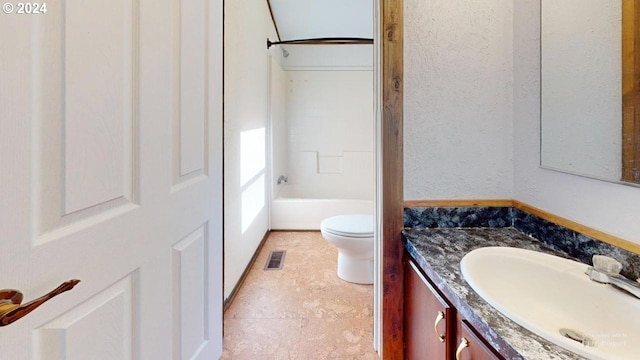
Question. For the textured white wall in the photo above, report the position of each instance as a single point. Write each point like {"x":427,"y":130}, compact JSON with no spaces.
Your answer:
{"x":330,"y":120}
{"x":612,"y":208}
{"x":581,"y":86}
{"x":458,"y":135}
{"x":247,"y":25}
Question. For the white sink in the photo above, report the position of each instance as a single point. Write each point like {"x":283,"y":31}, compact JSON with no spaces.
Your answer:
{"x":546,"y":293}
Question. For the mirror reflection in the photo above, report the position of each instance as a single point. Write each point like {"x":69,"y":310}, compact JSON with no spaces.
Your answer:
{"x":589,"y":88}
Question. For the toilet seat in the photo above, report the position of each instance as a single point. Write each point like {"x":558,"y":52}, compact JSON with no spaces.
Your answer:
{"x":350,"y":226}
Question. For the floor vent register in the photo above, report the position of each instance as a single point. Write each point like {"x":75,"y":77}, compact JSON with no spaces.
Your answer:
{"x":275,"y":260}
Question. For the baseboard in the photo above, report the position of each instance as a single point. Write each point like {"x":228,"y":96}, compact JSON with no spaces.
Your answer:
{"x":234,"y":292}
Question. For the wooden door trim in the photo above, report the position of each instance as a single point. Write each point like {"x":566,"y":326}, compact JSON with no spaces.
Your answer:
{"x":392,"y":179}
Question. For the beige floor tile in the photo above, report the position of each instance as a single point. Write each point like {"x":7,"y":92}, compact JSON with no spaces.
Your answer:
{"x":318,"y":315}
{"x":293,"y":238}
{"x":267,"y":301}
{"x":251,"y":339}
{"x":338,"y":339}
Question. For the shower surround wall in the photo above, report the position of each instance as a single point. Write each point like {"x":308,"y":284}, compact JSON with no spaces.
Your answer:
{"x":330,"y":120}
{"x":278,"y":114}
{"x":329,"y":115}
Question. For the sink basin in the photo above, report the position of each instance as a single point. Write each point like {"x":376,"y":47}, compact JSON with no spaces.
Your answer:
{"x":553,"y":298}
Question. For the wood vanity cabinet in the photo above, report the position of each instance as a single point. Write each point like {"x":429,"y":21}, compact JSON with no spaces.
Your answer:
{"x":428,"y":318}
{"x":471,"y":346}
{"x":432,"y":328}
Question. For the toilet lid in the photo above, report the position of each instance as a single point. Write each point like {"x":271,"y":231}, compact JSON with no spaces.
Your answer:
{"x":356,"y":225}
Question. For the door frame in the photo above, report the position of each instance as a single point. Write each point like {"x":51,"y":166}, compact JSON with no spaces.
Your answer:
{"x":390,"y":197}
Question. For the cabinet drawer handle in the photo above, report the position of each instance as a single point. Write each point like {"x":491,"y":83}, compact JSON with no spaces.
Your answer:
{"x":463,"y":345}
{"x":439,"y":318}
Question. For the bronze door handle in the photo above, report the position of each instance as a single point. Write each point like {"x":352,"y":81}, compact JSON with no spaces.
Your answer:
{"x":12,"y":309}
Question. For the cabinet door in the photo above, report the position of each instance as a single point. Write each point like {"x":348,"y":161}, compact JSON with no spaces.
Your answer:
{"x":428,"y":319}
{"x":470,"y":346}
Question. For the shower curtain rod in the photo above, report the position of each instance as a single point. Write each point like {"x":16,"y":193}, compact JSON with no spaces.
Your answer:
{"x":322,"y":41}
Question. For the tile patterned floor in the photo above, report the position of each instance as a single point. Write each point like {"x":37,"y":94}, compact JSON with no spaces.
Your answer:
{"x":302,"y":312}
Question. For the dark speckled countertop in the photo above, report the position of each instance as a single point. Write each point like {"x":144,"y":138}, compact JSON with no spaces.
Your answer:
{"x":438,"y":252}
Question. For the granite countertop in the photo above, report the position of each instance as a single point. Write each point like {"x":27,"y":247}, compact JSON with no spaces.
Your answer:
{"x":438,"y":253}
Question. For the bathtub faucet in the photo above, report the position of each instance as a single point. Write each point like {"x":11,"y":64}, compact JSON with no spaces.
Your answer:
{"x":282,"y":179}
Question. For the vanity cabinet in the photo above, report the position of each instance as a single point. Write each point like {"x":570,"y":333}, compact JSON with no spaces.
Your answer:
{"x":471,"y":346}
{"x":432,"y":328}
{"x":428,"y":318}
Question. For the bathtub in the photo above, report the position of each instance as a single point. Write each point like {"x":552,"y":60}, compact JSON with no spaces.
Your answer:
{"x":299,"y":207}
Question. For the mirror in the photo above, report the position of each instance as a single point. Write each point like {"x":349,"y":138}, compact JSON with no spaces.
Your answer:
{"x":590,"y":80}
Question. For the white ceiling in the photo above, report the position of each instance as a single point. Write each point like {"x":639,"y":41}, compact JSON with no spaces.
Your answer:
{"x":305,"y":19}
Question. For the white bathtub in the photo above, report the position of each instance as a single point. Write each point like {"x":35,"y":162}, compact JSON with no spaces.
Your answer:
{"x":299,"y":207}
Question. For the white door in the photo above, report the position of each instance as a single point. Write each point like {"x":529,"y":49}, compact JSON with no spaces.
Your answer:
{"x":110,"y":172}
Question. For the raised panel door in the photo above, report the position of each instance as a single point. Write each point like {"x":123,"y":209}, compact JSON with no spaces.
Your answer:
{"x":111,"y":173}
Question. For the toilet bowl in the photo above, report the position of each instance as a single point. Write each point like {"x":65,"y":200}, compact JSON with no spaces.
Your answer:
{"x":353,"y":236}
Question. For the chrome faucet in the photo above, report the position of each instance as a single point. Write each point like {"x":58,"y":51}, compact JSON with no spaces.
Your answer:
{"x":607,"y":274}
{"x":282,"y":179}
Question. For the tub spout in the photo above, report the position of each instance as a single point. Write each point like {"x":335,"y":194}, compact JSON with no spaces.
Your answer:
{"x":282,"y":179}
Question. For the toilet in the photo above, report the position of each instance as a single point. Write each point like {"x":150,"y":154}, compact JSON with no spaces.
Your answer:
{"x":353,"y":236}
